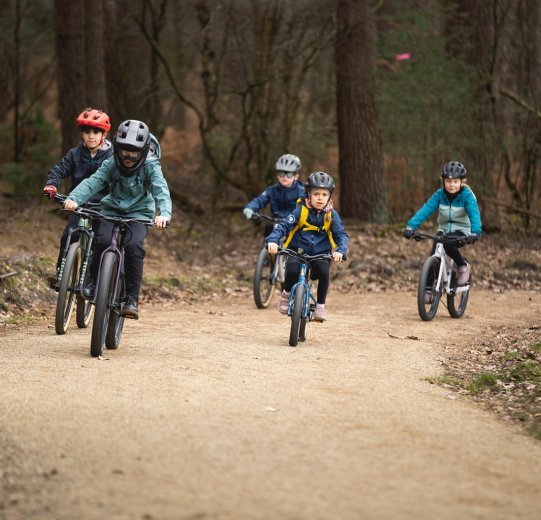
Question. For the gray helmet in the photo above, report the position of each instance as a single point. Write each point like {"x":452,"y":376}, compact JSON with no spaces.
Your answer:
{"x":131,"y":136}
{"x":319,"y":180}
{"x":453,"y":170}
{"x":288,"y":163}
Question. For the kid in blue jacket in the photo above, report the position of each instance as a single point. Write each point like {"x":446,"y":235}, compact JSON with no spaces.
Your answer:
{"x":80,"y":163}
{"x":137,"y":190}
{"x":283,"y":195}
{"x":321,"y":232}
{"x":458,"y":214}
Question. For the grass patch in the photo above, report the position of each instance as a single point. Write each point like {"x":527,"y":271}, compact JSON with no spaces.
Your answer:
{"x":444,"y":381}
{"x":483,"y":382}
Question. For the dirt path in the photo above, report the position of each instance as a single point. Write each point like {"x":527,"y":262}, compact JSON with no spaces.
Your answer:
{"x":206,"y":414}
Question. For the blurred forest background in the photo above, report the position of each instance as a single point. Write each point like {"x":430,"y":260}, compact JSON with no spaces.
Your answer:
{"x":379,"y":93}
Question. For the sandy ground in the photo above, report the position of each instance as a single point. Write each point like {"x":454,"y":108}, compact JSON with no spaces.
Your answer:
{"x":205,"y":412}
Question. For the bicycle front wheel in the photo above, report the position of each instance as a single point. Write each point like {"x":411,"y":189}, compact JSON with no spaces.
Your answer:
{"x":457,"y":302}
{"x":102,"y":311}
{"x":296,"y":314}
{"x":116,"y":320}
{"x":84,"y":312}
{"x":66,"y":296}
{"x":428,"y":298}
{"x":264,"y":284}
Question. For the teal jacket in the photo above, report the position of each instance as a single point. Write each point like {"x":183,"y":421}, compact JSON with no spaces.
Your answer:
{"x":143,"y":195}
{"x":460,"y":214}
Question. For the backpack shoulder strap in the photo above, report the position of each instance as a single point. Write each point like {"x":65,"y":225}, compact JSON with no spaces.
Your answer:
{"x":302,"y":220}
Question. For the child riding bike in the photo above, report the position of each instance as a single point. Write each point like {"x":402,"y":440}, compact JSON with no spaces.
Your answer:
{"x":458,"y":216}
{"x":314,"y":227}
{"x":78,"y":164}
{"x":137,"y":190}
{"x":283,"y":195}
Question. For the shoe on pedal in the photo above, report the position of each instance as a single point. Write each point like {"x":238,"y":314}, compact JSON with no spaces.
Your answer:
{"x":89,"y":289}
{"x":131,"y":309}
{"x":283,"y":303}
{"x":428,"y":297}
{"x":463,"y":274}
{"x":320,"y":313}
{"x":51,"y":280}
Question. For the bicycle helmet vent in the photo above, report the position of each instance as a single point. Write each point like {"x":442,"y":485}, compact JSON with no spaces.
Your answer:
{"x":90,"y":117}
{"x":288,"y":163}
{"x":453,"y":170}
{"x":319,"y":180}
{"x":131,"y":144}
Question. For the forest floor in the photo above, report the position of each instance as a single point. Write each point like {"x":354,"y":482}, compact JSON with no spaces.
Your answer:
{"x":204,"y":385}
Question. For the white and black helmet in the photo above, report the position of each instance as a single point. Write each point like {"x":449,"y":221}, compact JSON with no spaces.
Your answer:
{"x":288,"y":163}
{"x":319,"y":180}
{"x":131,"y":136}
{"x":453,"y":170}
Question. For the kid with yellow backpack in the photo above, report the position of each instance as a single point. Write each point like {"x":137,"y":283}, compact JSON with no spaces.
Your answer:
{"x":313,"y":228}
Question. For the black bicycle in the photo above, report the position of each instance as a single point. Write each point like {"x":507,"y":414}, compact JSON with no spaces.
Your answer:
{"x":269,"y":270}
{"x":70,"y":276}
{"x":302,"y":303}
{"x":110,"y":294}
{"x":438,"y":276}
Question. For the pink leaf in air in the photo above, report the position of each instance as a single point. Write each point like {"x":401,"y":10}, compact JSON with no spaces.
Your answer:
{"x":402,"y":57}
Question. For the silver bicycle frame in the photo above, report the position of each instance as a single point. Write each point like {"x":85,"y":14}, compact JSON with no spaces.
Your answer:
{"x":444,"y":276}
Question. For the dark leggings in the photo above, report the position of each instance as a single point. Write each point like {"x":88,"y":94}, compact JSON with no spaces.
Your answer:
{"x":452,"y":249}
{"x":134,"y":253}
{"x":319,"y":271}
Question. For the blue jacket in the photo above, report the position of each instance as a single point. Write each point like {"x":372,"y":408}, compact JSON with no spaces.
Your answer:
{"x":79,"y":165}
{"x":460,"y":214}
{"x":282,"y":200}
{"x":142,"y":195}
{"x":312,"y":242}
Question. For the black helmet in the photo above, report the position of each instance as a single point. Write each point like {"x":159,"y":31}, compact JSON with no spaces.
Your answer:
{"x":319,"y":180}
{"x":131,"y":143}
{"x":453,"y":170}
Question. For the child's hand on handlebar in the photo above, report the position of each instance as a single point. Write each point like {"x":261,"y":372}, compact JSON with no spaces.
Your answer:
{"x":272,"y":248}
{"x":70,"y":205}
{"x":337,"y":257}
{"x":50,"y":191}
{"x":161,"y":222}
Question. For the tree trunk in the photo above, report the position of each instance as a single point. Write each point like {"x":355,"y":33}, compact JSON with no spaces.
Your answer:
{"x":94,"y":33}
{"x":362,"y":194}
{"x":69,"y":17}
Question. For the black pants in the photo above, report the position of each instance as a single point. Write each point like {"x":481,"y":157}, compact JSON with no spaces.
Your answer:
{"x":73,"y":222}
{"x":134,"y":253}
{"x":452,"y":249}
{"x":319,"y":271}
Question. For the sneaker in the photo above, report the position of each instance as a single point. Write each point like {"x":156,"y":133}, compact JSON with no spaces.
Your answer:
{"x":428,"y":297}
{"x":320,"y":313}
{"x":463,"y":274}
{"x":283,"y":302}
{"x":131,"y":309}
{"x":89,"y":289}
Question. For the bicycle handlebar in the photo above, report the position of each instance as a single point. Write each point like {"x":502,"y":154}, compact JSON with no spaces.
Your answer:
{"x":258,"y":217}
{"x":439,"y":238}
{"x":307,"y":258}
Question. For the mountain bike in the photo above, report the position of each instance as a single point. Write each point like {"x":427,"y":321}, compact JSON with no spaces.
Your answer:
{"x":110,"y":293}
{"x":438,"y":276}
{"x":70,"y":276}
{"x":302,"y":303}
{"x":269,"y":270}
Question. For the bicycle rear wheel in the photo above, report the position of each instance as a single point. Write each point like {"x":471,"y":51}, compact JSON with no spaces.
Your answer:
{"x":296,"y":314}
{"x":264,"y":284}
{"x":116,"y":320}
{"x":66,"y":296}
{"x":428,"y":298}
{"x":102,"y":311}
{"x":457,"y":303}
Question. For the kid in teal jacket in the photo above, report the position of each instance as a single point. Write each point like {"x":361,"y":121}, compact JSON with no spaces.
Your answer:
{"x":137,"y":189}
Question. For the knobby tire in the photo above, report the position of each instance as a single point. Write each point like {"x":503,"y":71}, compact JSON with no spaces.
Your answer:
{"x":66,"y":296}
{"x":296,"y":314}
{"x":457,"y":303}
{"x":102,"y":311}
{"x":116,"y":321}
{"x":263,"y":283}
{"x":427,"y":282}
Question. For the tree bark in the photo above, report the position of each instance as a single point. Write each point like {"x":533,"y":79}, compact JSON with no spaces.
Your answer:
{"x":362,"y":194}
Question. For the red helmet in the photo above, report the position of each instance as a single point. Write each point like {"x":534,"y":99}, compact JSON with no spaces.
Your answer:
{"x":94,"y":118}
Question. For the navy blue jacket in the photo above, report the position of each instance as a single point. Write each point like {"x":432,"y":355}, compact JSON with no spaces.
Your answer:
{"x":80,"y":165}
{"x":282,"y":200}
{"x":312,"y":242}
